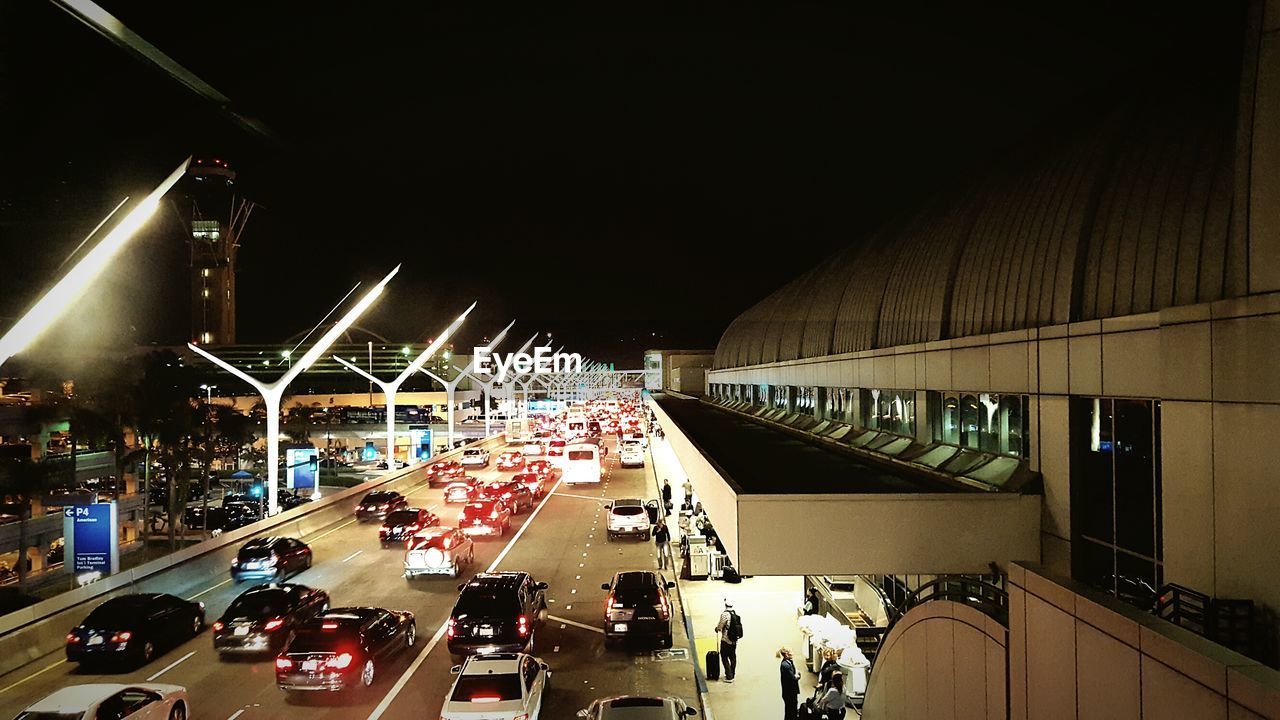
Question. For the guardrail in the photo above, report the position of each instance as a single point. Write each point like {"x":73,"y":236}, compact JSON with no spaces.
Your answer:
{"x":33,"y":632}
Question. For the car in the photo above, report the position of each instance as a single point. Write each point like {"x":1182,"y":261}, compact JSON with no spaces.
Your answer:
{"x":536,"y":483}
{"x":270,"y":558}
{"x":195,"y":519}
{"x":593,"y":428}
{"x":555,"y":448}
{"x":628,"y":517}
{"x":291,"y":500}
{"x":464,"y":490}
{"x":379,"y":503}
{"x":399,"y":464}
{"x":530,"y":449}
{"x":118,"y":701}
{"x":638,"y":707}
{"x":638,"y":605}
{"x":261,"y":618}
{"x":501,"y":686}
{"x":496,"y":613}
{"x":133,"y":628}
{"x":341,"y":649}
{"x":516,"y":495}
{"x":485,"y":517}
{"x":631,"y":454}
{"x":401,"y":525}
{"x":239,"y":514}
{"x":542,"y":467}
{"x":475,"y":457}
{"x":438,"y":551}
{"x":635,"y":436}
{"x":510,"y":461}
{"x":443,"y":471}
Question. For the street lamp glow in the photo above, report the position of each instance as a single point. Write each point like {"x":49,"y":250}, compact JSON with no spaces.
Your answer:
{"x":79,"y":278}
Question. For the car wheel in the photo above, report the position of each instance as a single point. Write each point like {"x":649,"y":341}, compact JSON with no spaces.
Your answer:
{"x":411,"y":635}
{"x":197,"y":625}
{"x":148,"y":651}
{"x":366,"y":674}
{"x":179,"y":712}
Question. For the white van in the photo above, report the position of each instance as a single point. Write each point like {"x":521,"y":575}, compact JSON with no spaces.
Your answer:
{"x":582,"y":464}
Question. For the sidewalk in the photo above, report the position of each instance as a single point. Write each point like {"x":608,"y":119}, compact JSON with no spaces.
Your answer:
{"x":767,"y":606}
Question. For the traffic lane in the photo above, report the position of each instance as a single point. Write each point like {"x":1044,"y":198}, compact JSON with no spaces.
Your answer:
{"x":371,"y":576}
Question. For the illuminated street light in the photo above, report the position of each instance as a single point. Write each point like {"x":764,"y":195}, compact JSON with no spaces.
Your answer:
{"x":79,"y":278}
{"x":451,"y":386}
{"x":273,"y":393}
{"x":389,"y":389}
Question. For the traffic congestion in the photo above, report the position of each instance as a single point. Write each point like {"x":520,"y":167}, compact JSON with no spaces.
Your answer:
{"x":467,"y":593}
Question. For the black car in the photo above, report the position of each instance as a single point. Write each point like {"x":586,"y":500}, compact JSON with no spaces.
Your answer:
{"x":638,"y":606}
{"x":342,"y":648}
{"x":262,"y":617}
{"x":496,"y":612}
{"x":291,"y":500}
{"x":516,"y":495}
{"x":133,"y":628}
{"x":401,"y":525}
{"x":195,"y":518}
{"x":378,"y":503}
{"x":270,"y":559}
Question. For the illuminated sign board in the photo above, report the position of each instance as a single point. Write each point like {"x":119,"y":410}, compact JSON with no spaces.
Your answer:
{"x":301,"y":467}
{"x":90,"y":536}
{"x":420,"y":442}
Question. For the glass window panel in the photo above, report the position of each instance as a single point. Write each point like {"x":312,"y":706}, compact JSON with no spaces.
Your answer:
{"x":1094,"y":565}
{"x":1135,"y":498}
{"x":969,"y":421}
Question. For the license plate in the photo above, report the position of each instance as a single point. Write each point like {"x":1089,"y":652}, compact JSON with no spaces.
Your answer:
{"x":242,"y":630}
{"x":95,"y":640}
{"x":310,"y":665}
{"x":619,"y":627}
{"x":485,"y":632}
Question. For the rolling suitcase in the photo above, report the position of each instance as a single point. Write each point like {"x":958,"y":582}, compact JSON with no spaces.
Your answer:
{"x":713,"y":665}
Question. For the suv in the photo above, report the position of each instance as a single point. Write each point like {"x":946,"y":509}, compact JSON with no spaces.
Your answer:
{"x":380,"y":503}
{"x":438,"y":551}
{"x":496,"y":612}
{"x":475,"y":457}
{"x":402,"y":524}
{"x":631,"y":454}
{"x":443,"y":471}
{"x":638,"y":605}
{"x":262,"y":617}
{"x":628,"y":517}
{"x":485,"y":517}
{"x":270,"y":558}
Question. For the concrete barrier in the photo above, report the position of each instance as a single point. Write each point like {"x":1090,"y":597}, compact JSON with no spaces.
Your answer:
{"x":36,"y":631}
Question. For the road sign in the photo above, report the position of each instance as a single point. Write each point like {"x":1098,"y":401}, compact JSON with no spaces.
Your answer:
{"x":302,"y":465}
{"x":91,"y":537}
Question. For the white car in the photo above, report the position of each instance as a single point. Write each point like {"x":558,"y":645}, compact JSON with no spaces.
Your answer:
{"x":631,"y":455}
{"x":142,"y":701}
{"x":627,"y":516}
{"x":500,"y":686}
{"x":531,"y":449}
{"x":638,"y":707}
{"x":635,"y":436}
{"x":438,"y":551}
{"x":475,"y":457}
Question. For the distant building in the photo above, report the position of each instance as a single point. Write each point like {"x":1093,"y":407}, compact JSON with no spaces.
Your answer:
{"x":684,"y":371}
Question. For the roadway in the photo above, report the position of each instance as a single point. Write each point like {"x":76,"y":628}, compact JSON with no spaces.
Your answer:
{"x":561,"y":542}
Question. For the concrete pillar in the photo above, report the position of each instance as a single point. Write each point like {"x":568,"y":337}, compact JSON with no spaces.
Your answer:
{"x":820,"y":403}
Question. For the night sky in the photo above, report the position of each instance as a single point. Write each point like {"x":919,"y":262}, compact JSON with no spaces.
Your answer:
{"x":622,"y":175}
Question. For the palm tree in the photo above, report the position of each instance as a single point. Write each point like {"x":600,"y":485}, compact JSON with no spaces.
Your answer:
{"x":167,"y":417}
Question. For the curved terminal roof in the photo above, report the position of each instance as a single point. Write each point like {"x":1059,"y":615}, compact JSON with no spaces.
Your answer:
{"x":1133,"y":214}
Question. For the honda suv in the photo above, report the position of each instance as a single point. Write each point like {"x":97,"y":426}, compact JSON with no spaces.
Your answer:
{"x":496,"y":613}
{"x":638,"y":606}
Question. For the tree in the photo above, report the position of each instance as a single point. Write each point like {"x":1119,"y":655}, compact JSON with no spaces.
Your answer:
{"x":167,"y":418}
{"x":25,"y":479}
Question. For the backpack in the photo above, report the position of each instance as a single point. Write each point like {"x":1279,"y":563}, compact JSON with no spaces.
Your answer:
{"x":735,"y":626}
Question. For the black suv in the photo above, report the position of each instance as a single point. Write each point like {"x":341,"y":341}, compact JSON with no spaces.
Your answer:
{"x":497,"y":612}
{"x":378,"y":503}
{"x":638,"y":606}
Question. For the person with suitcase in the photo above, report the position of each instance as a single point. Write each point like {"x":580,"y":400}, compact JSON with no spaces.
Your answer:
{"x":730,"y":630}
{"x":790,"y":685}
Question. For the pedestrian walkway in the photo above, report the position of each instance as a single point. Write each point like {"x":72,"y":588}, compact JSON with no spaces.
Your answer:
{"x":768,"y":607}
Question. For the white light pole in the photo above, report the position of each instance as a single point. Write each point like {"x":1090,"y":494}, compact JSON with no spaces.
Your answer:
{"x":389,"y":389}
{"x":273,"y":393}
{"x":451,"y":386}
{"x":487,"y":387}
{"x":80,"y":277}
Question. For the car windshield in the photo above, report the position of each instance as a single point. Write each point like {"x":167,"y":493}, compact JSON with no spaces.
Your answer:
{"x":402,"y":517}
{"x":581,"y":455}
{"x":260,"y":604}
{"x":256,"y":552}
{"x":487,"y":688}
{"x":482,"y":604}
{"x":628,"y":510}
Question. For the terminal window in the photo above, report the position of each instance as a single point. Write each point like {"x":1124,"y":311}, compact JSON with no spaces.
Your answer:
{"x":988,"y":422}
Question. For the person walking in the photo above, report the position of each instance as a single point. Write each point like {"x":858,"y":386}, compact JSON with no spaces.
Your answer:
{"x":730,"y":629}
{"x":790,"y":686}
{"x":688,"y":490}
{"x":666,"y":497}
{"x":661,"y":538}
{"x":812,"y":602}
{"x":831,"y":705}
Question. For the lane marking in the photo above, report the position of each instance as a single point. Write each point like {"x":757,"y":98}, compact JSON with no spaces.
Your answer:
{"x":171,"y":665}
{"x":236,"y":714}
{"x":566,"y":621}
{"x":352,"y":555}
{"x":330,"y":532}
{"x":210,"y":589}
{"x":34,"y":674}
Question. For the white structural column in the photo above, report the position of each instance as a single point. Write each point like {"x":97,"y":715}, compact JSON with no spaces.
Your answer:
{"x":451,"y":386}
{"x":487,"y":387}
{"x":390,"y":389}
{"x":273,"y":393}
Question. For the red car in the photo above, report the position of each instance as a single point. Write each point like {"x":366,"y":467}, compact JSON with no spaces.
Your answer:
{"x":485,"y":517}
{"x":541,"y":467}
{"x":510,"y":460}
{"x":515,"y":495}
{"x":444,"y":471}
{"x":555,"y":448}
{"x":461,"y":491}
{"x":536,"y":482}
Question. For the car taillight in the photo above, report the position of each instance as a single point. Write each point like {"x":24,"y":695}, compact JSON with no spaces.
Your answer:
{"x":273,"y":624}
{"x":523,"y":626}
{"x":608,"y":604}
{"x":217,"y":625}
{"x":73,"y":638}
{"x":493,"y":515}
{"x":339,"y":662}
{"x":235,"y":562}
{"x":521,"y":716}
{"x":122,"y":636}
{"x":664,"y":608}
{"x":452,"y":627}
{"x":283,"y":663}
{"x":448,"y":543}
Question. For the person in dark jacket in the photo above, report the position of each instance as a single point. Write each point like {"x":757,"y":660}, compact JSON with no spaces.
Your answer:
{"x":790,"y":685}
{"x":829,"y":668}
{"x":666,"y":497}
{"x":813,"y":602}
{"x":661,"y":537}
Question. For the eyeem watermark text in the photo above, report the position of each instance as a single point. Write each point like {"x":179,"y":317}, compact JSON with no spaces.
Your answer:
{"x":541,"y":361}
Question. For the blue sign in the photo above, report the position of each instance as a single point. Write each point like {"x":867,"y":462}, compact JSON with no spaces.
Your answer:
{"x":420,"y":442}
{"x":537,"y":407}
{"x":368,"y":452}
{"x":302,"y":464}
{"x":90,"y":535}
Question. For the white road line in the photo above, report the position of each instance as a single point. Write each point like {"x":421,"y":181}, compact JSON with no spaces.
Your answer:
{"x":60,"y":663}
{"x":330,"y":532}
{"x":209,"y":589}
{"x":592,"y":628}
{"x":171,"y":666}
{"x":236,"y":714}
{"x":435,"y":639}
{"x":352,"y":555}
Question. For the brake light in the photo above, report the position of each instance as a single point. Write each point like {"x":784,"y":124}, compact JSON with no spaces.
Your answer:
{"x":122,"y":636}
{"x":339,"y":662}
{"x":72,"y":638}
{"x":608,"y":604}
{"x":523,"y":627}
{"x":665,"y":609}
{"x":273,"y":624}
{"x":283,"y":663}
{"x":493,"y":515}
{"x":217,"y":625}
{"x":452,"y":625}
{"x":329,"y":626}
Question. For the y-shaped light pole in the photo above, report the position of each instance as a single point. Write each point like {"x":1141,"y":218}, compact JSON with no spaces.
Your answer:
{"x":487,"y":387}
{"x":389,"y":389}
{"x":273,"y":393}
{"x":524,"y":380}
{"x":451,"y":386}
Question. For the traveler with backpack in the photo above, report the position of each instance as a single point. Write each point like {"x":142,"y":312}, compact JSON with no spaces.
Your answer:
{"x":790,"y":685}
{"x":730,"y":629}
